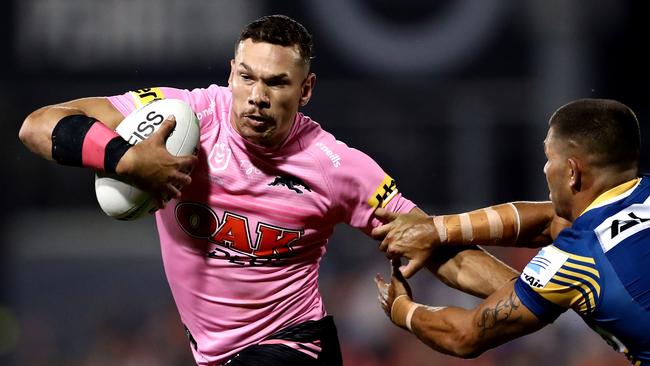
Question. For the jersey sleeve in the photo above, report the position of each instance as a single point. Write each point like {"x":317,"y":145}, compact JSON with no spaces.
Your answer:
{"x":360,"y":186}
{"x":556,"y":280}
{"x":209,"y":104}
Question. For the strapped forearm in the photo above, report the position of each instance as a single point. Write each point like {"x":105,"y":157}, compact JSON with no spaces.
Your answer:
{"x":509,"y":224}
{"x":438,"y":327}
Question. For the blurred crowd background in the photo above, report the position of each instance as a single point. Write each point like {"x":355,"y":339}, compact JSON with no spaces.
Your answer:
{"x":450,"y":97}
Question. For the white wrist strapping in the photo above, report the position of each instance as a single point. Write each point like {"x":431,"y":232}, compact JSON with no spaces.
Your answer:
{"x":409,"y":315}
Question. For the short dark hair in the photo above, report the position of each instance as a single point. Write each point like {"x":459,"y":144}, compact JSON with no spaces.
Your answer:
{"x":280,"y":30}
{"x":606,"y":129}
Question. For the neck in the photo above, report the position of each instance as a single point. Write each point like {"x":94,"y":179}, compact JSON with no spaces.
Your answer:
{"x":596,"y":183}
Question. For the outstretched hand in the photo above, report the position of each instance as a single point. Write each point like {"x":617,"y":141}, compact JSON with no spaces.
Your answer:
{"x":389,"y":293}
{"x":151,"y":167}
{"x":411,"y":235}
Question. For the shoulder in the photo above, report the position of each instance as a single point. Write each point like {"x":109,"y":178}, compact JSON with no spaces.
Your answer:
{"x":202,"y":100}
{"x":561,"y":276}
{"x":336,"y":156}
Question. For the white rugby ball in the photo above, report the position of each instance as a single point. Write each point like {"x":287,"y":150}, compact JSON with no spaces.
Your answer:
{"x":120,"y":199}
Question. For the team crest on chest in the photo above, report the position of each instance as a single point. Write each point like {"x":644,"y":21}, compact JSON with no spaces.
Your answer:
{"x":219,"y":157}
{"x":290,"y":182}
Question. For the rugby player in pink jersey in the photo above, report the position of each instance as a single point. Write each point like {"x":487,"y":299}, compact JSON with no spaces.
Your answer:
{"x":244,"y":224}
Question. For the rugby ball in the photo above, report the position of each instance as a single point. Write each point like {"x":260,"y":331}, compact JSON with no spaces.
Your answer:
{"x":116,"y":196}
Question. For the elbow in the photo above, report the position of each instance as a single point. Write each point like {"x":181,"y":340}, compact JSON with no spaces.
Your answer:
{"x":28,"y":130}
{"x":35,"y":134}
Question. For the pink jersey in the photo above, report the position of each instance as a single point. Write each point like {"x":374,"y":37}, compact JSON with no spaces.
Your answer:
{"x":242,"y":246}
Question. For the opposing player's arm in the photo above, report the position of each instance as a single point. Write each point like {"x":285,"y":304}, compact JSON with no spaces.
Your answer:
{"x":36,"y":130}
{"x":470,"y":269}
{"x":414,"y":235}
{"x":456,"y":331}
{"x":466,"y":268}
{"x":522,"y":224}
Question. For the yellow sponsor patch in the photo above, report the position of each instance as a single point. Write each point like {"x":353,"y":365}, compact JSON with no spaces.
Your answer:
{"x":384,"y":193}
{"x":146,"y":95}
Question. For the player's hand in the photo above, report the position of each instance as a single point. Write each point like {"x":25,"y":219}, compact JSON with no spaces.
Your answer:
{"x":411,"y":235}
{"x":151,"y":167}
{"x":389,"y":292}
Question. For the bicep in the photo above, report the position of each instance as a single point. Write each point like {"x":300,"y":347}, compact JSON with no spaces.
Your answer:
{"x":99,"y":108}
{"x":36,"y":130}
{"x":539,"y":224}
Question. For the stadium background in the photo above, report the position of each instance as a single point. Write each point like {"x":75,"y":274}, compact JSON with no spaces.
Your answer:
{"x":450,"y":97}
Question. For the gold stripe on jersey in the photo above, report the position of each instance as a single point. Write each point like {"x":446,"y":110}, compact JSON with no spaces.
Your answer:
{"x":386,"y":190}
{"x":591,"y":296}
{"x":562,"y":295}
{"x":574,"y":291}
{"x":583,"y":268}
{"x":146,"y":95}
{"x":582,"y":277}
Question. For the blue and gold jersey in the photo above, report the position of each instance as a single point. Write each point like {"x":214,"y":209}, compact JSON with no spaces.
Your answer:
{"x":600,"y":267}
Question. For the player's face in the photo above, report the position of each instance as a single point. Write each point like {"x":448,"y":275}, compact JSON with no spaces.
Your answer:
{"x":269,"y":83}
{"x":557,"y":171}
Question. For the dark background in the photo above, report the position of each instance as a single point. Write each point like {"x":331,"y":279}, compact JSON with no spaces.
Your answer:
{"x":450,"y":97}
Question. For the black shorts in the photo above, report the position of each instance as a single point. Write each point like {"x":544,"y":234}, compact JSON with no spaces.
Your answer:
{"x":305,"y":344}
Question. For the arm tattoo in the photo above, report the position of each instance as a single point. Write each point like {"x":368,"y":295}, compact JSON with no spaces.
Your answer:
{"x":500,"y":313}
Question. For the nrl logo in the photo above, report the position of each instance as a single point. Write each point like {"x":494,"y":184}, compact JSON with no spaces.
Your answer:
{"x":290,"y":182}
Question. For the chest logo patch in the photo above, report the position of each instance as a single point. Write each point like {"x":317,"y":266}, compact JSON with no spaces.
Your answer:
{"x":219,"y":157}
{"x":622,"y":225}
{"x":290,"y":182}
{"x":543,"y":266}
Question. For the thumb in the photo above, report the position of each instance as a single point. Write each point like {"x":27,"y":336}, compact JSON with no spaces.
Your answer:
{"x":166,"y":128}
{"x":383,"y":213}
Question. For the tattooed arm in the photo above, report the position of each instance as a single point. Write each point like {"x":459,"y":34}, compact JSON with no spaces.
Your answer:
{"x":456,"y":331}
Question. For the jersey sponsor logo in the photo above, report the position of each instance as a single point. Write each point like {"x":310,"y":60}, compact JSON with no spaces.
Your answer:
{"x":219,"y":157}
{"x":268,"y":245}
{"x":291,"y":182}
{"x":207,"y":112}
{"x":622,"y":225}
{"x":334,"y":157}
{"x":146,"y":95}
{"x":384,"y":193}
{"x":145,"y":128}
{"x":543,"y":266}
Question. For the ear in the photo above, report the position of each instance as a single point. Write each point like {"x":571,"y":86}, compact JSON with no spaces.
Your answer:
{"x":307,"y":88}
{"x":575,"y":174}
{"x":232,"y":73}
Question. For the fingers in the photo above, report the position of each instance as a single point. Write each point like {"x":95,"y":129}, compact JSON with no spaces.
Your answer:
{"x":383,"y":246}
{"x":385,"y":214}
{"x":380,"y":232}
{"x":411,"y":268}
{"x":383,"y":293}
{"x":379,"y":280}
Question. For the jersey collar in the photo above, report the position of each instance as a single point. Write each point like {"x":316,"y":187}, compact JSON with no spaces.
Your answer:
{"x":614,"y":194}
